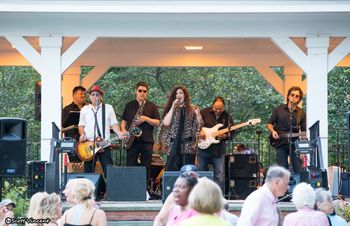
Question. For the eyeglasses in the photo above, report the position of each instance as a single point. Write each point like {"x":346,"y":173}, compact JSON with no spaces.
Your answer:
{"x":295,"y":95}
{"x":142,"y":91}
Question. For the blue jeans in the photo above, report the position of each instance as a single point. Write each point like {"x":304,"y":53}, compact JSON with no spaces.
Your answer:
{"x":205,"y":158}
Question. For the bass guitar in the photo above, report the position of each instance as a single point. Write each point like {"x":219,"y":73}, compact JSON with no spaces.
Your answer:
{"x":212,"y":133}
{"x":284,"y":138}
{"x":85,"y":150}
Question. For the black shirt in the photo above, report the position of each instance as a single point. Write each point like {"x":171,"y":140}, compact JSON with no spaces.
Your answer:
{"x":65,"y":112}
{"x":282,"y":119}
{"x":210,"y":120}
{"x":150,"y":110}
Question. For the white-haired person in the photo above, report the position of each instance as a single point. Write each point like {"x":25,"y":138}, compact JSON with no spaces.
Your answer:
{"x":206,"y":199}
{"x":304,"y":198}
{"x":46,"y":207}
{"x":260,"y":208}
{"x":80,"y":193}
{"x":324,"y":203}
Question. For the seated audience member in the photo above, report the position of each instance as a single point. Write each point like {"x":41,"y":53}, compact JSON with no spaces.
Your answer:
{"x":6,"y":207}
{"x":259,"y":208}
{"x":324,"y":203}
{"x":79,"y":192}
{"x":304,"y":198}
{"x":169,"y":203}
{"x":206,"y":199}
{"x":45,"y":206}
{"x":182,"y":188}
{"x":226,"y":215}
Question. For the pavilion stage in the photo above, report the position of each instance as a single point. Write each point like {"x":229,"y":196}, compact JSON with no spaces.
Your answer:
{"x":142,"y":213}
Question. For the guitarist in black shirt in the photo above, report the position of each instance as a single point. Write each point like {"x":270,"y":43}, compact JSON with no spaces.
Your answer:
{"x":286,"y":124}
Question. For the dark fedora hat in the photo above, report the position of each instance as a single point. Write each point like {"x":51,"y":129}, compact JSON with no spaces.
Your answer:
{"x":96,"y":88}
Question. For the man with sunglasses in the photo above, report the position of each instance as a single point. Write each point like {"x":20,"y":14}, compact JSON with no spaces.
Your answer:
{"x":92,"y":125}
{"x":144,"y":115}
{"x":286,"y":124}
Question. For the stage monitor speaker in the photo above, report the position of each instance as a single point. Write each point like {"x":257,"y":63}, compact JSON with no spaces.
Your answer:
{"x":35,"y":177}
{"x":345,"y":184}
{"x":240,"y":188}
{"x":126,"y":183}
{"x":95,"y":178}
{"x":315,"y":177}
{"x":13,"y":147}
{"x":242,"y":165}
{"x":169,"y":178}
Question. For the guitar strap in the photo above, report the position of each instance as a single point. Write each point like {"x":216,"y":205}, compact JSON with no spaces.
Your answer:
{"x":103,"y":121}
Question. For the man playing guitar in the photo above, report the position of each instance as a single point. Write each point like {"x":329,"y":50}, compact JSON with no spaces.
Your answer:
{"x":286,"y":124}
{"x":93,"y":126}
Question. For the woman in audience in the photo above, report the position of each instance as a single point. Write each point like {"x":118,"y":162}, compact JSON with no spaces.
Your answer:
{"x":182,"y":188}
{"x":324,"y":203}
{"x":46,"y":208}
{"x":206,"y":199}
{"x":79,"y":192}
{"x":304,"y":198}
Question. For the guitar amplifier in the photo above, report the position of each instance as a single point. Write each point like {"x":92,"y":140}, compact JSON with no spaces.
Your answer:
{"x":241,"y":166}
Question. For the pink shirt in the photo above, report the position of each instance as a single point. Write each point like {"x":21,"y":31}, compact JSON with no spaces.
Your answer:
{"x":259,"y":209}
{"x":306,"y":217}
{"x":176,"y":215}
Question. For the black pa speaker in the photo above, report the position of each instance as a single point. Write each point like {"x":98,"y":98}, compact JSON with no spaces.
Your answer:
{"x":240,"y":188}
{"x":169,"y":178}
{"x":13,"y":146}
{"x":315,"y":177}
{"x":95,"y":178}
{"x":126,"y":183}
{"x":242,"y":165}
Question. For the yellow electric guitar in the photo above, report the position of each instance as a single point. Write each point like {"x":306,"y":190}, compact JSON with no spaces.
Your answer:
{"x":85,"y":150}
{"x":213,"y":132}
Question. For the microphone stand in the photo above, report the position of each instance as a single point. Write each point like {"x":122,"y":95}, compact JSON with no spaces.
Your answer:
{"x":94,"y":141}
{"x":229,"y":157}
{"x":290,"y":136}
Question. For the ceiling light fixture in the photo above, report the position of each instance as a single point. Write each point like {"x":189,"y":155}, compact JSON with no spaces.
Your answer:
{"x":193,"y":47}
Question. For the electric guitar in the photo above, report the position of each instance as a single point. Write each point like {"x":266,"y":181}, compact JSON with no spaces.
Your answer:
{"x":213,"y":132}
{"x":284,"y":138}
{"x":85,"y":150}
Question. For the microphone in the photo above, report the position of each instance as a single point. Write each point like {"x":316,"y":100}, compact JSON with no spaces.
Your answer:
{"x":98,"y":100}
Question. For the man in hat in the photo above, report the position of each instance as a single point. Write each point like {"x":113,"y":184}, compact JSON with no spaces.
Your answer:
{"x":93,"y":125}
{"x":6,"y":207}
{"x":77,"y":104}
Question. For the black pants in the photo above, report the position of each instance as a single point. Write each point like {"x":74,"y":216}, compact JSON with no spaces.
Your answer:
{"x":105,"y":160}
{"x":282,"y":153}
{"x":176,"y":160}
{"x":142,"y":149}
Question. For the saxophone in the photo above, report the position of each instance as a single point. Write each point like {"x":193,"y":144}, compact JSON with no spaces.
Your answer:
{"x":134,"y":130}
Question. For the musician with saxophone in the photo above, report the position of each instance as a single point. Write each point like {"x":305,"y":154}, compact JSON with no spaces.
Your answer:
{"x":143,"y":115}
{"x":93,"y":125}
{"x":286,"y":124}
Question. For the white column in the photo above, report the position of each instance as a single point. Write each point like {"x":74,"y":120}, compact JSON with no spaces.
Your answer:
{"x":51,"y":103}
{"x":316,"y":99}
{"x":71,"y":78}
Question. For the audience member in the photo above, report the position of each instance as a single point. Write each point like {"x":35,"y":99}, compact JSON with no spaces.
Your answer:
{"x":182,"y":188}
{"x":324,"y":203}
{"x":79,"y":192}
{"x":6,"y":207}
{"x":304,"y":198}
{"x":169,"y":203}
{"x":206,"y":199}
{"x":45,"y":207}
{"x":259,"y":208}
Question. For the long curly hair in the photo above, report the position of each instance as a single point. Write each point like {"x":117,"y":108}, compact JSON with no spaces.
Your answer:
{"x":172,"y":97}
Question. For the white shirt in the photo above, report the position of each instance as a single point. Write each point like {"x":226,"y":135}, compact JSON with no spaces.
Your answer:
{"x":259,"y":209}
{"x":87,"y":119}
